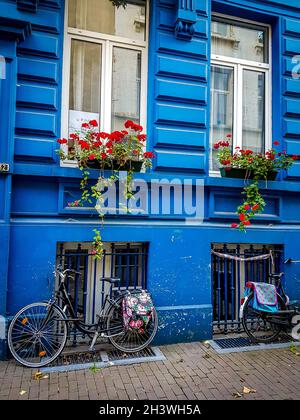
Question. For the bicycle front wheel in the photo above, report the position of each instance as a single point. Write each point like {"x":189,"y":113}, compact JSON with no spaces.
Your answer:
{"x":129,"y":341}
{"x":37,"y":334}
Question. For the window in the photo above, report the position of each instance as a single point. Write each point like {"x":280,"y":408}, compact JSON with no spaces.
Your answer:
{"x":105,"y":62}
{"x":240,"y":85}
{"x":125,"y":260}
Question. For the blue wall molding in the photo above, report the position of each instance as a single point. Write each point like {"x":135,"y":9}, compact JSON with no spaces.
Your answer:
{"x":28,"y":5}
{"x":186,"y":19}
{"x":14,"y":29}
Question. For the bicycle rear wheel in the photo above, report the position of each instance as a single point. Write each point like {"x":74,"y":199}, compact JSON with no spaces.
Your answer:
{"x":37,"y":334}
{"x":257,"y":325}
{"x":128,"y":341}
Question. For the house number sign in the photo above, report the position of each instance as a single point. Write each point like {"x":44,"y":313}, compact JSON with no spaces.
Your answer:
{"x":4,"y":167}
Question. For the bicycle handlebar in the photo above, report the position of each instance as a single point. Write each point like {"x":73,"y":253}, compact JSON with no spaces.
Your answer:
{"x":63,"y":273}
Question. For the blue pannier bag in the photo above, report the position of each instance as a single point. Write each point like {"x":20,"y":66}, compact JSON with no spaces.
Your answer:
{"x":265,"y":296}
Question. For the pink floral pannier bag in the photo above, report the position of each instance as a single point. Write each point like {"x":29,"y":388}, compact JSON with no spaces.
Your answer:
{"x":137,"y":310}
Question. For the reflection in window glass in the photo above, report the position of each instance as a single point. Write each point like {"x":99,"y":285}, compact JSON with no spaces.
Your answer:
{"x":253,"y":111}
{"x":221,"y":107}
{"x":126,"y":87}
{"x":101,"y":16}
{"x":85,"y":72}
{"x":232,"y":40}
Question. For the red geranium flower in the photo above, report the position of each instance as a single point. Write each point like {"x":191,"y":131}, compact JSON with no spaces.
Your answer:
{"x":93,"y":123}
{"x":141,"y":137}
{"x":84,"y":125}
{"x":129,"y":124}
{"x":84,"y":145}
{"x":149,"y":155}
{"x":246,"y":223}
{"x":92,"y":156}
{"x":255,"y":207}
{"x":247,"y":207}
{"x":242,"y":217}
{"x":62,"y":141}
{"x":137,"y":127}
{"x":103,"y":155}
{"x":234,"y":225}
{"x":276,"y":143}
{"x":102,"y":135}
{"x":229,"y":136}
{"x":216,"y":146}
{"x":295,"y":157}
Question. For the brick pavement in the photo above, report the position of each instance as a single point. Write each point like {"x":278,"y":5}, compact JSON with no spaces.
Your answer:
{"x":191,"y":371}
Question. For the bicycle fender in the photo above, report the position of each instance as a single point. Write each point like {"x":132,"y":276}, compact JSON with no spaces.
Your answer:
{"x":243,"y":306}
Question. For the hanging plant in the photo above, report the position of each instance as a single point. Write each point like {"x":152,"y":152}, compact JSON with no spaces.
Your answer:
{"x":106,"y":152}
{"x":252,"y":167}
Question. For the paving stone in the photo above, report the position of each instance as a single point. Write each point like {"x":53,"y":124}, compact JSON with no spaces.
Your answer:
{"x":191,"y":371}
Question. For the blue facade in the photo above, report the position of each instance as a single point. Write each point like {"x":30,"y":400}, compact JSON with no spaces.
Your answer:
{"x":34,"y":216}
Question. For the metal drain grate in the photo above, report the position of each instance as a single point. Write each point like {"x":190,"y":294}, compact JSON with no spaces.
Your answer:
{"x":119,"y":355}
{"x":229,"y":343}
{"x":241,"y":344}
{"x":102,"y":359}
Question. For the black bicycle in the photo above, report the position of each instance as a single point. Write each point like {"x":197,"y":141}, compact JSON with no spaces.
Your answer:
{"x":38,"y":333}
{"x":265,"y":327}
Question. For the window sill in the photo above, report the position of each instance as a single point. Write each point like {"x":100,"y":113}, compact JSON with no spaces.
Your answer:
{"x":283,"y":185}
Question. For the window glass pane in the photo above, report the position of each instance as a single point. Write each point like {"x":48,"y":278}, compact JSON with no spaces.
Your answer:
{"x":126,"y":86}
{"x":85,"y":83}
{"x":101,"y":16}
{"x":221,"y":107}
{"x":232,"y":40}
{"x":253,"y":111}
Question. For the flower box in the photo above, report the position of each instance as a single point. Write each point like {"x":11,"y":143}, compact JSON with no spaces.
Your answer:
{"x":133,"y":165}
{"x":245,"y":174}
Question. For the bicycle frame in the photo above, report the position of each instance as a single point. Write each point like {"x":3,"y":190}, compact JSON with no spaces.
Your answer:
{"x":282,"y":318}
{"x":88,"y":329}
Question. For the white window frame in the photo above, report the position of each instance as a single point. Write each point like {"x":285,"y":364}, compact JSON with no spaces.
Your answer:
{"x":108,"y":42}
{"x":239,"y":65}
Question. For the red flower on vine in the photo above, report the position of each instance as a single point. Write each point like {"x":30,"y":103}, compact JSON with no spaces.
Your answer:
{"x":242,"y":217}
{"x":149,"y":155}
{"x":62,"y":141}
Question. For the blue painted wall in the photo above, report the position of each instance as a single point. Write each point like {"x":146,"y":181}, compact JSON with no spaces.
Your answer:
{"x":33,"y":214}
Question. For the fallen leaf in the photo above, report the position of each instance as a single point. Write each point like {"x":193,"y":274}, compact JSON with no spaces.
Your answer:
{"x":248,"y":390}
{"x":45,"y":377}
{"x":23,"y":392}
{"x":237,"y":395}
{"x":38,"y":375}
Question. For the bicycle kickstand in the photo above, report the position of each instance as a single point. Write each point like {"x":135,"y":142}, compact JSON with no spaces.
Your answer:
{"x":96,"y":335}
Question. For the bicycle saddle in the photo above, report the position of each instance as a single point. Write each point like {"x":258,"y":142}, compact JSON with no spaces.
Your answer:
{"x":276,"y":276}
{"x":111,"y":280}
